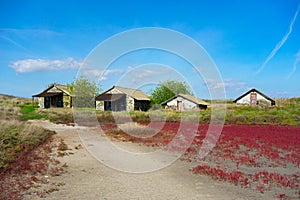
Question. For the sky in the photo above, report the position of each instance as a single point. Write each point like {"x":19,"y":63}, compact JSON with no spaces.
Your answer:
{"x":253,"y":43}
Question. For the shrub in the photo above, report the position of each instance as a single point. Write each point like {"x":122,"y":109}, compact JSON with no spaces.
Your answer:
{"x":137,"y":130}
{"x":17,"y":137}
{"x":58,"y":115}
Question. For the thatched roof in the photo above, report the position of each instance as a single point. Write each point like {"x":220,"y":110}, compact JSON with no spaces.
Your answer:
{"x":191,"y":98}
{"x":136,"y":94}
{"x":255,"y":90}
{"x":53,"y":90}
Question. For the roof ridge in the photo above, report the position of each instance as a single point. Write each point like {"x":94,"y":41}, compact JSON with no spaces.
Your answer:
{"x":256,"y":90}
{"x":127,"y":88}
{"x":134,"y":93}
{"x":189,"y":97}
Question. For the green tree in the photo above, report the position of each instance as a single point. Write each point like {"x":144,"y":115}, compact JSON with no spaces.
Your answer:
{"x":84,"y":92}
{"x":168,"y":89}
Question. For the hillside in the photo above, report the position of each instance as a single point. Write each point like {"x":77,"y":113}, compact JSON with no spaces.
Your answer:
{"x":18,"y":140}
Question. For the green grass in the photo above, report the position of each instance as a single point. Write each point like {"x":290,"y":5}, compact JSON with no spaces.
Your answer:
{"x":286,"y":112}
{"x":29,"y":112}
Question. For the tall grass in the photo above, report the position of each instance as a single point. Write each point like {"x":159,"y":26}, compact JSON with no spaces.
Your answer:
{"x":17,"y":136}
{"x":286,"y":112}
{"x":137,"y":130}
{"x":58,"y":115}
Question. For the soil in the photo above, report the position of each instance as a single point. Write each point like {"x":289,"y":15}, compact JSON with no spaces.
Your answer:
{"x":87,"y":178}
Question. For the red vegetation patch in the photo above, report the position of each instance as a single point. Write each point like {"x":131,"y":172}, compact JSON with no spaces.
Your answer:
{"x":30,"y":168}
{"x":257,"y":157}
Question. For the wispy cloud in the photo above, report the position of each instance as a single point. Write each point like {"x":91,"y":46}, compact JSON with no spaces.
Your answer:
{"x":229,"y":83}
{"x":30,"y":32}
{"x":37,"y":65}
{"x":22,"y":37}
{"x":235,"y":84}
{"x":149,"y":74}
{"x":297,"y":60}
{"x":214,"y":84}
{"x":280,"y":43}
{"x":17,"y":44}
{"x":280,"y":94}
{"x":101,"y":75}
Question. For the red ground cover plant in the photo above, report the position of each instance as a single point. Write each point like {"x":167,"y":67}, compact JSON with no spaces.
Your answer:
{"x":30,"y":168}
{"x":264,"y":158}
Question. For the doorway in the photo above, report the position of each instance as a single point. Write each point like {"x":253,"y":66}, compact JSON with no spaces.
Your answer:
{"x":179,"y":105}
{"x":253,"y":99}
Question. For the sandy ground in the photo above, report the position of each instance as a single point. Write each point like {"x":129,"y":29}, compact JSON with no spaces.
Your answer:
{"x":87,"y":178}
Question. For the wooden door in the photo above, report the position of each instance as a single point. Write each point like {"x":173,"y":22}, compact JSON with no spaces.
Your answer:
{"x":179,"y":105}
{"x":107,"y":105}
{"x":253,"y":99}
{"x":46,"y":102}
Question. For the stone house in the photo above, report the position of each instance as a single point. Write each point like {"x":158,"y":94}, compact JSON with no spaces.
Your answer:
{"x":54,"y":96}
{"x":254,"y":98}
{"x":183,"y":102}
{"x":122,"y":99}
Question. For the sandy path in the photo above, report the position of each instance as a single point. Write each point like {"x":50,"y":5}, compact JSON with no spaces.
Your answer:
{"x":87,"y":178}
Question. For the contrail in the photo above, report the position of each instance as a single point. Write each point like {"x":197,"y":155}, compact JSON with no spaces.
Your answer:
{"x":16,"y":44}
{"x":295,"y":65}
{"x":278,"y":46}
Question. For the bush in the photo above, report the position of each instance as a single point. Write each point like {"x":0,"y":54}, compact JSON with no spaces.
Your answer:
{"x":135,"y":129}
{"x":17,"y":137}
{"x":58,"y":115}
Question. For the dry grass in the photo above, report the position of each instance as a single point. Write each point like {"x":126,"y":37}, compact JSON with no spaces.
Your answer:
{"x":58,"y":115}
{"x":9,"y":112}
{"x":5,"y":99}
{"x":10,"y":107}
{"x":137,"y":130}
{"x":286,"y":102}
{"x":17,"y":137}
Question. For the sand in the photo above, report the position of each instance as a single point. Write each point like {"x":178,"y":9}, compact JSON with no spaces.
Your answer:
{"x":87,"y":178}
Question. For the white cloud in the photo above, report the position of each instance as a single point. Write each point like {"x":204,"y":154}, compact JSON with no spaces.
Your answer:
{"x":230,"y":83}
{"x":101,"y":74}
{"x":37,"y":65}
{"x":235,"y":84}
{"x":214,"y":84}
{"x":149,"y":74}
{"x":146,"y":73}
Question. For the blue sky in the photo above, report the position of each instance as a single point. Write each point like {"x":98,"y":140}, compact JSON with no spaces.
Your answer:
{"x":253,"y":43}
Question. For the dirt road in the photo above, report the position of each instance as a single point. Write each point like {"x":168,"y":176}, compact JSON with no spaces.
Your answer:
{"x":87,"y":178}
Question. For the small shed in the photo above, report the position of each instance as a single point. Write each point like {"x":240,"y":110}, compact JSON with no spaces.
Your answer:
{"x":54,"y":96}
{"x":119,"y":99}
{"x":254,"y":98}
{"x":183,"y":102}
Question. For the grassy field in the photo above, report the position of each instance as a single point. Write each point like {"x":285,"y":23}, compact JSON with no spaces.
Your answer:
{"x":16,"y":135}
{"x":286,"y":112}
